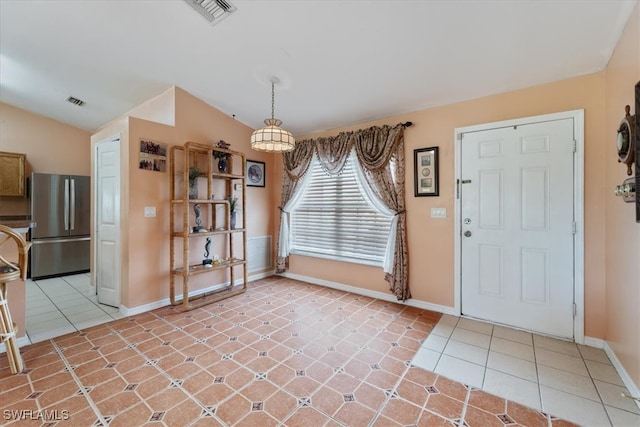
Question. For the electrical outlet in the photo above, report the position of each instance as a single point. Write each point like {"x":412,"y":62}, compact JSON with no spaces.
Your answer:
{"x":438,"y":213}
{"x":149,"y":211}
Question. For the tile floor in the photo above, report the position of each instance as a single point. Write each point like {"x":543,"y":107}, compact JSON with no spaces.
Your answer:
{"x":285,"y":353}
{"x":61,"y":305}
{"x":290,"y":353}
{"x":575,"y":382}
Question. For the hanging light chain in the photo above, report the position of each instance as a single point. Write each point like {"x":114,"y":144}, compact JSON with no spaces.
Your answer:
{"x":273,"y":97}
{"x":272,"y":138}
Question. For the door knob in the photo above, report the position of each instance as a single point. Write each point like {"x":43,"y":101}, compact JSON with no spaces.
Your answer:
{"x":467,"y":233}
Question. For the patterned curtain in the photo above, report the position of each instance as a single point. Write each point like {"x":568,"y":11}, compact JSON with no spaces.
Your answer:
{"x":380,"y":152}
{"x":295,"y":164}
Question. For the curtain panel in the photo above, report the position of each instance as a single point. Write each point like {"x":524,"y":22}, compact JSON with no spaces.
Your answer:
{"x":380,"y":154}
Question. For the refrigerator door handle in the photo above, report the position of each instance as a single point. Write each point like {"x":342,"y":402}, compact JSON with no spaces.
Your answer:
{"x":66,"y":203}
{"x":72,"y":205}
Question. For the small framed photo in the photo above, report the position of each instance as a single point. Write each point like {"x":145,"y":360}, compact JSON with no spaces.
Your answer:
{"x":255,"y":173}
{"x":425,"y":171}
{"x":153,"y":155}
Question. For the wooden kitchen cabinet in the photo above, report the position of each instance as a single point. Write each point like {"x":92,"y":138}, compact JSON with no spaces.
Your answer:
{"x":12,"y":171}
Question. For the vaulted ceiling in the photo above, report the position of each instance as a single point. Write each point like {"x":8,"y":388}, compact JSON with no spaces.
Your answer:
{"x":339,"y":62}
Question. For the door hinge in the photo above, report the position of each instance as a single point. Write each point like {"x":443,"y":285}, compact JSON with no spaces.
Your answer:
{"x":460,"y":136}
{"x":575,"y":310}
{"x":574,"y":146}
{"x":574,"y":228}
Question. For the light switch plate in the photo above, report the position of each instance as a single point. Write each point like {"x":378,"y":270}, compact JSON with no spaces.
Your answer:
{"x":438,"y":213}
{"x":149,"y":211}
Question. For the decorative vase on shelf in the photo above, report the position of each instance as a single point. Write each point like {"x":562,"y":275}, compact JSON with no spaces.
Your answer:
{"x":193,"y":189}
{"x":222,"y":164}
{"x":232,"y":221}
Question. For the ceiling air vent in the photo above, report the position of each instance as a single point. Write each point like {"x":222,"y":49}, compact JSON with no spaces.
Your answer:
{"x":213,"y":10}
{"x":75,"y":101}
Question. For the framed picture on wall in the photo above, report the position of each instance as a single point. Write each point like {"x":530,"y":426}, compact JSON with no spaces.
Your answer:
{"x":255,"y":174}
{"x":153,"y":155}
{"x":425,"y":171}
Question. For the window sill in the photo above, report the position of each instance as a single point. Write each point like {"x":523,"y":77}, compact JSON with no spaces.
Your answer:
{"x":351,"y":260}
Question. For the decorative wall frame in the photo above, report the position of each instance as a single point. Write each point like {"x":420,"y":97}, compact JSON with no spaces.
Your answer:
{"x":626,"y":140}
{"x":255,"y":173}
{"x":153,"y":155}
{"x":637,"y":148}
{"x":425,"y":172}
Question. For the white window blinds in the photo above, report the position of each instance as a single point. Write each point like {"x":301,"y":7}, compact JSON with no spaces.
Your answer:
{"x":335,"y":220}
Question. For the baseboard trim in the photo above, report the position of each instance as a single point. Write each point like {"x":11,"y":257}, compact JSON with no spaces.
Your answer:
{"x":132,"y":311}
{"x":22,"y":341}
{"x":594,"y":342}
{"x":624,"y":375}
{"x":372,"y":294}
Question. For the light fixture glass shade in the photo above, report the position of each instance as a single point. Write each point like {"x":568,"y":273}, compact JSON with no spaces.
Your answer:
{"x":272,"y":138}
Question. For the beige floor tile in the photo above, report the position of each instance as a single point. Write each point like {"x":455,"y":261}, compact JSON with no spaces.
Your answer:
{"x":578,"y":409}
{"x":510,"y":334}
{"x":475,"y":326}
{"x":513,"y":388}
{"x":512,"y":348}
{"x":512,"y":366}
{"x":468,"y":352}
{"x":561,"y":361}
{"x":603,"y":372}
{"x":460,"y":370}
{"x":568,"y":382}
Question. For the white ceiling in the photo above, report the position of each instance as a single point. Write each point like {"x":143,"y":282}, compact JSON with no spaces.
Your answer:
{"x":340,"y":62}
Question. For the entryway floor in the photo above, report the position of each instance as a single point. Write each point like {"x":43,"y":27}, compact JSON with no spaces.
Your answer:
{"x":564,"y":381}
{"x":575,"y":382}
{"x":64,"y":304}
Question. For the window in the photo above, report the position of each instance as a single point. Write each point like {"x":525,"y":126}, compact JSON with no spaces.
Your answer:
{"x":335,"y":220}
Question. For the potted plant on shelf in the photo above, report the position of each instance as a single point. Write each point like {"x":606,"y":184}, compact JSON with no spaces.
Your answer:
{"x":194,"y":173}
{"x":233,"y":204}
{"x":222,"y":156}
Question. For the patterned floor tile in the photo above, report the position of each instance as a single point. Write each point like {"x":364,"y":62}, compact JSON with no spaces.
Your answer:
{"x":284,"y":352}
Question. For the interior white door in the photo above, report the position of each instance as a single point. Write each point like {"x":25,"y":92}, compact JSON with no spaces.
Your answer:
{"x":107,"y":210}
{"x":517,"y":214}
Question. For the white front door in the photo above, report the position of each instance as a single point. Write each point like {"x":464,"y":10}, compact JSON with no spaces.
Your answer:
{"x":107,"y":210}
{"x":517,"y":225}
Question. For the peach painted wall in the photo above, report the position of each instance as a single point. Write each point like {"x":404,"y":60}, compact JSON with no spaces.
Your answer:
{"x":623,"y":233}
{"x":431,"y":241}
{"x":161,"y":109}
{"x":51,"y":147}
{"x":146,"y":248}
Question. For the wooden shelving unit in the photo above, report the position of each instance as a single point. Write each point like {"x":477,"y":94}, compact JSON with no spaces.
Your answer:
{"x":215,"y":226}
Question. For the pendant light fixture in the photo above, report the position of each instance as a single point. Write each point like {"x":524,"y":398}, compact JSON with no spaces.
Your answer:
{"x":272,"y":138}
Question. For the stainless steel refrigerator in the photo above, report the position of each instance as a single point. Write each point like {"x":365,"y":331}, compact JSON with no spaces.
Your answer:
{"x":60,"y":207}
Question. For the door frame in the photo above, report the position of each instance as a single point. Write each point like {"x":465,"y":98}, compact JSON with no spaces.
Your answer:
{"x":578,"y":202}
{"x":94,"y":216}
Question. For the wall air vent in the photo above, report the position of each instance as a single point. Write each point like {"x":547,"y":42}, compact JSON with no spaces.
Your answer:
{"x":75,"y":101}
{"x":213,"y":10}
